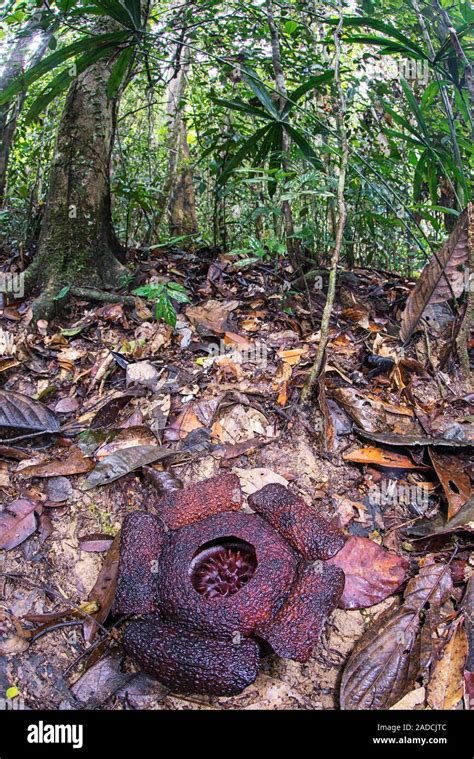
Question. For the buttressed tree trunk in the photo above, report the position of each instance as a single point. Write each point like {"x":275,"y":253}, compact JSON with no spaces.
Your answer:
{"x":77,"y":245}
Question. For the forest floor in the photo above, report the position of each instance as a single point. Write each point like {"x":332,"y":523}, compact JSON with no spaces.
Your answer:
{"x":221,"y":391}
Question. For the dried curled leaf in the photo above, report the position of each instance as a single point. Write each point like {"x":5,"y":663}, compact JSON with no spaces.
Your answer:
{"x":386,"y":661}
{"x":103,"y":592}
{"x":101,"y":681}
{"x":409,"y":441}
{"x":73,"y":463}
{"x":18,"y":412}
{"x":441,"y":277}
{"x":374,"y":415}
{"x":124,"y":461}
{"x":432,"y":585}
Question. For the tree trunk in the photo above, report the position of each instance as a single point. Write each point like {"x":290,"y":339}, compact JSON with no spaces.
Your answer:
{"x":77,"y":245}
{"x":177,"y":197}
{"x":13,"y":67}
{"x":182,"y":217}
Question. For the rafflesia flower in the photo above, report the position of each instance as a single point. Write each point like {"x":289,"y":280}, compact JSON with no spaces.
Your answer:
{"x":214,"y":585}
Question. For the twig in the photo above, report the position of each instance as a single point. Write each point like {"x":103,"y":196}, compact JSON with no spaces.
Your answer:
{"x":342,"y":217}
{"x":53,"y":628}
{"x":29,"y":436}
{"x":57,"y":596}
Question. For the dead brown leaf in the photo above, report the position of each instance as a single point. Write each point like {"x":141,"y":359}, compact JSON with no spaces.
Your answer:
{"x":454,"y":479}
{"x":252,"y":480}
{"x":441,"y":277}
{"x":372,"y":573}
{"x":19,"y":412}
{"x":212,"y":317}
{"x":95,"y":543}
{"x":126,"y":438}
{"x":379,"y":457}
{"x":375,"y":415}
{"x":240,"y":423}
{"x":17,"y":522}
{"x":446,"y":685}
{"x":74,"y":463}
{"x":385,"y":662}
{"x":103,"y":591}
{"x":294,"y":355}
{"x":100,"y":682}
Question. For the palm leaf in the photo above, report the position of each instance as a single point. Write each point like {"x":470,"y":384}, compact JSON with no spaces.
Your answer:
{"x":380,"y":26}
{"x":266,"y":145}
{"x":423,"y":138}
{"x":249,"y":145}
{"x":116,"y":10}
{"x":263,"y":94}
{"x":304,"y":146}
{"x":119,"y":70}
{"x":63,"y":80}
{"x":390,"y":45}
{"x":134,"y":9}
{"x":310,"y":84}
{"x":55,"y":59}
{"x":415,"y":108}
{"x":447,"y":48}
{"x":238,"y":105}
{"x":414,"y":141}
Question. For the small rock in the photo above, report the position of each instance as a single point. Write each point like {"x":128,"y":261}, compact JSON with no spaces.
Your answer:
{"x":142,"y":373}
{"x":58,"y":489}
{"x":66,"y":405}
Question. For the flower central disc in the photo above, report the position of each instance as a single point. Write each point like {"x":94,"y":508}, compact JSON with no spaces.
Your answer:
{"x":223,"y":569}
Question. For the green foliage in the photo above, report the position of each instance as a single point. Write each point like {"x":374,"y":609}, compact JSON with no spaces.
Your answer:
{"x":404,"y":185}
{"x":265,"y":143}
{"x":256,"y":251}
{"x":101,"y":46}
{"x":163,"y":294}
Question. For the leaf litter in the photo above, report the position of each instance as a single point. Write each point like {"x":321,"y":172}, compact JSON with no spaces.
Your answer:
{"x":106,"y":411}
